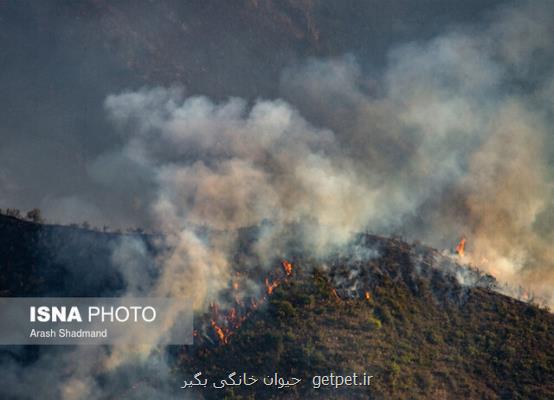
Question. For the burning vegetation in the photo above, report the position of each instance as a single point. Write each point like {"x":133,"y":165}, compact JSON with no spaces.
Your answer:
{"x":226,"y":322}
{"x":404,"y":313}
{"x":408,"y":314}
{"x":287,"y":267}
{"x":346,"y":279}
{"x":460,"y":247}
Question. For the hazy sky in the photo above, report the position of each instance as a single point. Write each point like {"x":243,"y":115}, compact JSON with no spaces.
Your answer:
{"x":60,"y":60}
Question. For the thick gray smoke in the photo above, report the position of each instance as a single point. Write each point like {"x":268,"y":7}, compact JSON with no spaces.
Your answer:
{"x":451,"y":139}
{"x":455,"y":136}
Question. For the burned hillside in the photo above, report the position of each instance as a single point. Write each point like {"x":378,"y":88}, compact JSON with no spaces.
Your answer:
{"x":414,"y":326}
{"x":410,"y":315}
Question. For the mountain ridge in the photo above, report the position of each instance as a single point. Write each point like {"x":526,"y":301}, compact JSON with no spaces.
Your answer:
{"x":391,"y":313}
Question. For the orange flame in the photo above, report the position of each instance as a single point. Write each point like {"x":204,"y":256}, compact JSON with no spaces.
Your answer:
{"x":225,"y":323}
{"x":219,"y":332}
{"x":287,"y":266}
{"x":460,"y":248}
{"x":367,"y":296}
{"x":270,"y":286}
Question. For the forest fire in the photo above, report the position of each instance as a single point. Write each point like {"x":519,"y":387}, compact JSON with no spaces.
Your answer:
{"x":225,"y":323}
{"x":460,"y":248}
{"x":270,"y":286}
{"x":287,"y":266}
{"x":220,"y":332}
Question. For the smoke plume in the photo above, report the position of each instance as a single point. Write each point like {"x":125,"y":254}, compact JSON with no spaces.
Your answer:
{"x":451,"y":139}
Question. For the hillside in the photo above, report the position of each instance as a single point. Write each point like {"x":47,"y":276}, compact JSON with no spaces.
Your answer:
{"x":397,"y":313}
{"x":420,"y":334}
{"x":56,"y":260}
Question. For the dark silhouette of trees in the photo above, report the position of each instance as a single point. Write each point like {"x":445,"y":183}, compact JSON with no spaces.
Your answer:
{"x":35,"y":216}
{"x":13,"y":212}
